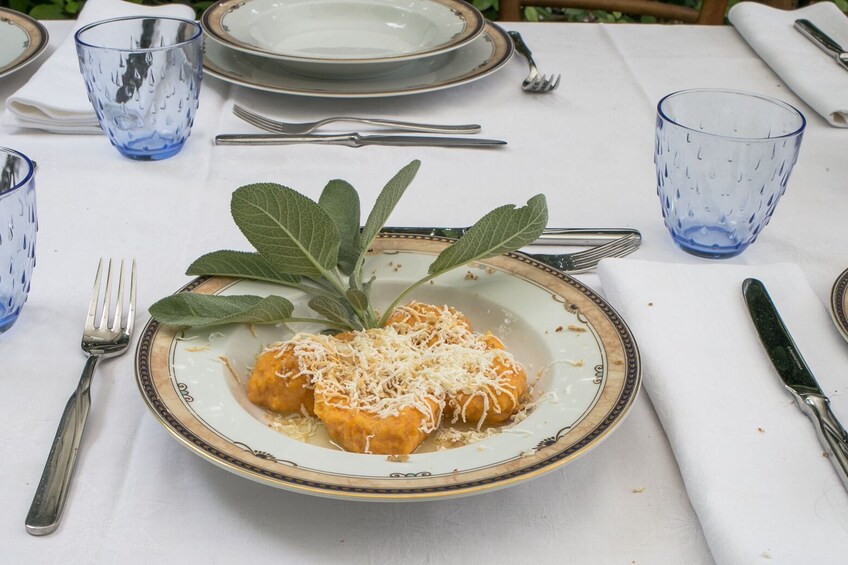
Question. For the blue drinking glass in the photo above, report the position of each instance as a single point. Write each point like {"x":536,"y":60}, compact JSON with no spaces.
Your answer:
{"x":18,"y":225}
{"x":143,"y":79}
{"x":723,"y":160}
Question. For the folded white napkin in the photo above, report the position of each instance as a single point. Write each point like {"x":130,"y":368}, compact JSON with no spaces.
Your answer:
{"x":54,"y":99}
{"x":810,"y":72}
{"x":751,"y":461}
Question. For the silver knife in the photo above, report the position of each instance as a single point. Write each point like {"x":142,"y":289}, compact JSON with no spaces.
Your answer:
{"x":551,"y":236}
{"x":821,"y":39}
{"x":354,"y":140}
{"x":796,"y":375}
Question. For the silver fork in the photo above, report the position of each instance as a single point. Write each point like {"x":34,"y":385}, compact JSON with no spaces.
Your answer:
{"x":588,"y":259}
{"x":110,"y":337}
{"x":535,"y":81}
{"x":276,"y":126}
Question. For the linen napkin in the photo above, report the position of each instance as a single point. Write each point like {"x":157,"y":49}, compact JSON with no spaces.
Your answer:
{"x":54,"y":99}
{"x":752,"y":464}
{"x":810,"y":72}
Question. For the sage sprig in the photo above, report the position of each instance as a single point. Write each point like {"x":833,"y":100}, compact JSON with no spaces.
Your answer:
{"x":319,"y":248}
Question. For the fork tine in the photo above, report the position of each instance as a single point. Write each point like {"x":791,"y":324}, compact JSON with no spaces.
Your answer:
{"x":119,"y":305}
{"x":555,"y":84}
{"x":107,"y":297}
{"x":92,"y":305}
{"x":131,"y":307}
{"x":618,"y":248}
{"x":255,"y":119}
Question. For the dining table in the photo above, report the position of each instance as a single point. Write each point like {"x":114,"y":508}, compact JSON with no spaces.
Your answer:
{"x":138,"y":496}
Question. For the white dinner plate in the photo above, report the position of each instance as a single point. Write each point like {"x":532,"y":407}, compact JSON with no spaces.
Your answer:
{"x":479,"y":58}
{"x":343,"y":31}
{"x":22,"y":39}
{"x":578,"y":353}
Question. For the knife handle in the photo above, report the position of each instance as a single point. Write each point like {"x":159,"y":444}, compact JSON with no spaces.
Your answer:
{"x":584,"y":236}
{"x":818,"y":37}
{"x":831,"y":433}
{"x":350,"y":140}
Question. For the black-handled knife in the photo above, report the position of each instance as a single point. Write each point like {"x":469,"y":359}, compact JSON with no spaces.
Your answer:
{"x":796,"y":375}
{"x":824,"y":42}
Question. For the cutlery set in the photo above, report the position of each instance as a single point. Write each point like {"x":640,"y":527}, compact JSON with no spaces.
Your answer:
{"x":283,"y":133}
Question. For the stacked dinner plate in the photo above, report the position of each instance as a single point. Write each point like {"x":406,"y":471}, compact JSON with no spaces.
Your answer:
{"x":351,"y":48}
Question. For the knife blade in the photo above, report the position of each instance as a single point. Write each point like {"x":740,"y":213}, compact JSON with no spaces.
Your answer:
{"x":551,"y":236}
{"x":796,"y":375}
{"x":354,"y":140}
{"x":824,"y":42}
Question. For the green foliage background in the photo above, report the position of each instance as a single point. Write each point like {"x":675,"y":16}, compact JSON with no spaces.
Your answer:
{"x":68,"y":9}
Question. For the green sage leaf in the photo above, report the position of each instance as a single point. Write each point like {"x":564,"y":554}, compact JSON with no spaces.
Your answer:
{"x":502,"y":230}
{"x":187,"y":309}
{"x":334,"y":309}
{"x":341,"y":201}
{"x":242,"y":264}
{"x":358,"y":299}
{"x":386,"y":202}
{"x":289,"y":230}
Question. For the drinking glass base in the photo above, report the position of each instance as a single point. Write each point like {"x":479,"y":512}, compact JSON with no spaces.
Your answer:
{"x":150,"y":149}
{"x":710,"y":242}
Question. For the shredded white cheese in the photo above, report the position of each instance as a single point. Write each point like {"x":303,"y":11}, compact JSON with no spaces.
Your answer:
{"x":296,"y":426}
{"x":423,"y":359}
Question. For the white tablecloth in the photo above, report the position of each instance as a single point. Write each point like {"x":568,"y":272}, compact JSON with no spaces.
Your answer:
{"x":139,"y":496}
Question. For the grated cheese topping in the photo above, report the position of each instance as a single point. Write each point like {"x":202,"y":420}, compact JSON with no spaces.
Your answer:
{"x":426,"y":356}
{"x":296,"y":426}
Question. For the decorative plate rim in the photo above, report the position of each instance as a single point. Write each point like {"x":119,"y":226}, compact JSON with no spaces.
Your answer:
{"x":212,"y":23}
{"x":37,"y":42}
{"x":627,"y":390}
{"x":838,"y":303}
{"x":503,"y":50}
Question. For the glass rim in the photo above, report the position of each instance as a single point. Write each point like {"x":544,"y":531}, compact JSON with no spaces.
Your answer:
{"x":197,"y":32}
{"x":786,"y":106}
{"x":30,"y":173}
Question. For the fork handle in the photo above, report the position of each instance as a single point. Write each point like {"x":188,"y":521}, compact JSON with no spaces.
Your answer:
{"x":49,"y":501}
{"x":523,"y":49}
{"x":409,"y":126}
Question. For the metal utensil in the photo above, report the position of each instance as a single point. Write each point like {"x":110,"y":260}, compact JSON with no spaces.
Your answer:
{"x":588,"y":259}
{"x":110,"y":337}
{"x":796,"y":375}
{"x":535,"y":81}
{"x":809,"y":30}
{"x":354,"y":140}
{"x":551,"y":236}
{"x":276,"y":126}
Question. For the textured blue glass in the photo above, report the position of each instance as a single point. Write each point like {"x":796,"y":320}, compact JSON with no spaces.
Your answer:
{"x":143,"y":80}
{"x":723,"y":160}
{"x":18,"y":225}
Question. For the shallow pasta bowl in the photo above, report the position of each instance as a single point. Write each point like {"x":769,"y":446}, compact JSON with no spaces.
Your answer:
{"x":578,"y":353}
{"x":343,"y":38}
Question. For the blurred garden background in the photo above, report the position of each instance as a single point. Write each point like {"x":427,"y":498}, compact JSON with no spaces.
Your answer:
{"x":68,"y":9}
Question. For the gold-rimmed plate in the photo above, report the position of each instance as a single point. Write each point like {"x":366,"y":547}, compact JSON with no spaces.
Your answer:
{"x":473,"y":61}
{"x":839,"y":303}
{"x":22,"y":39}
{"x":343,"y":31}
{"x":578,"y":352}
